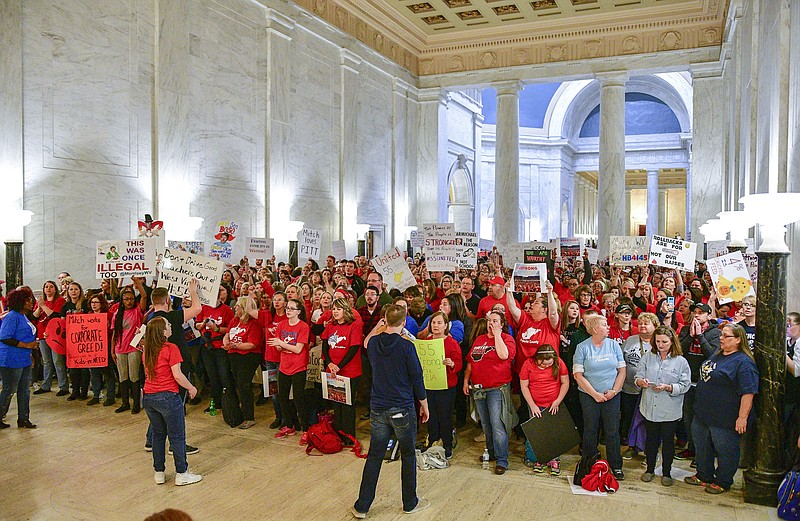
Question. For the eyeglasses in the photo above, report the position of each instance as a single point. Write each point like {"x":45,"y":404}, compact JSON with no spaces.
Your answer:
{"x":727,"y":336}
{"x":292,"y":309}
{"x":748,"y":305}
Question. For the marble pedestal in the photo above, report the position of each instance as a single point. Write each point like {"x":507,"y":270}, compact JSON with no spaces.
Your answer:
{"x":768,"y":466}
{"x":13,"y":265}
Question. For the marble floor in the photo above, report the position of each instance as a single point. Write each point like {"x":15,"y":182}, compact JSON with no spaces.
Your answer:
{"x":89,"y":463}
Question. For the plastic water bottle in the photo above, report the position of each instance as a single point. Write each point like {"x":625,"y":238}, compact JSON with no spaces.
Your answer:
{"x":485,"y":459}
{"x":212,"y":408}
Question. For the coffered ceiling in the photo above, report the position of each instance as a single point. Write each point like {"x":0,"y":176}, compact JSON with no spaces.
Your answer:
{"x":441,"y":36}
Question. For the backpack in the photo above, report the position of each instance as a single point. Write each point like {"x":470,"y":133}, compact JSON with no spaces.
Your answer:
{"x":323,"y":437}
{"x":433,"y":458}
{"x":600,"y":479}
{"x":789,"y":496}
{"x":231,"y":412}
{"x":584,"y":467}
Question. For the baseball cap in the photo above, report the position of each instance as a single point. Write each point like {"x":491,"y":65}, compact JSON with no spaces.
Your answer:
{"x":497,"y":280}
{"x":705,"y":308}
{"x":622,"y":308}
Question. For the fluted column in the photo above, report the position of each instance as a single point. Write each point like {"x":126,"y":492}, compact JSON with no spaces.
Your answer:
{"x":432,"y":162}
{"x":506,"y":184}
{"x":662,"y":212}
{"x":611,"y":177}
{"x":652,"y":202}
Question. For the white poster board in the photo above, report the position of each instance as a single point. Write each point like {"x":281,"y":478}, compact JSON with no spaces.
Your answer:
{"x":628,"y":250}
{"x":720,"y":248}
{"x":485,"y":244}
{"x":593,"y":254}
{"x":467,"y":250}
{"x":339,"y":250}
{"x":730,"y":276}
{"x":440,"y":246}
{"x":571,"y":247}
{"x":336,"y":389}
{"x":394,"y":269}
{"x":178,"y":269}
{"x":260,"y":247}
{"x":126,"y":258}
{"x":529,"y":278}
{"x":672,"y":253}
{"x":309,"y":242}
{"x":417,"y":239}
{"x":196,"y":247}
{"x":224,"y":239}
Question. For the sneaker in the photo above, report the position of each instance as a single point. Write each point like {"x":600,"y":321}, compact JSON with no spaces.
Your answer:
{"x":357,"y":514}
{"x":684,"y":455}
{"x":448,"y":453}
{"x":189,"y":450}
{"x":681,"y":445}
{"x":422,"y":504}
{"x":276,"y":423}
{"x":304,"y":439}
{"x":694,"y":480}
{"x":247,"y":424}
{"x":693,"y":464}
{"x":629,"y":454}
{"x":148,"y":448}
{"x":187,"y":478}
{"x":647,"y":477}
{"x":285,"y":431}
{"x":529,"y":463}
{"x":160,"y":477}
{"x":480,"y":438}
{"x":713,"y":488}
{"x":618,"y":474}
{"x":666,"y":481}
{"x":555,"y":467}
{"x":538,"y":468}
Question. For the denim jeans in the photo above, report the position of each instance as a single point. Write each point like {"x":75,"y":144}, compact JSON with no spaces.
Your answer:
{"x":100,"y":374}
{"x":16,"y":380}
{"x":402,"y":423}
{"x":165,"y":411}
{"x":47,"y":364}
{"x":608,"y":412}
{"x":688,"y":416}
{"x":490,"y":411}
{"x":711,"y":442}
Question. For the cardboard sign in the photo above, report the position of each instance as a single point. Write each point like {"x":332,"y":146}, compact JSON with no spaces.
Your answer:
{"x":337,"y":389}
{"x":314,"y":368}
{"x":179,"y":267}
{"x":260,"y":247}
{"x":628,"y":250}
{"x":394,"y":269}
{"x":126,"y":258}
{"x":529,"y":278}
{"x":731,"y":278}
{"x":339,"y":250}
{"x":225,"y":236}
{"x":467,"y":250}
{"x":571,"y":247}
{"x":417,"y":239}
{"x":551,"y":435}
{"x":196,"y":247}
{"x":672,"y":253}
{"x":269,"y":380}
{"x":309,"y":243}
{"x":87,"y":340}
{"x":431,"y":356}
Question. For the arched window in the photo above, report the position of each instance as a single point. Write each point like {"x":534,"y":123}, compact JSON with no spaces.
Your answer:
{"x":460,"y":207}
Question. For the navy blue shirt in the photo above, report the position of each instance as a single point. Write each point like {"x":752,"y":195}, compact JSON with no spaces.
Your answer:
{"x":396,"y":372}
{"x":723,"y":381}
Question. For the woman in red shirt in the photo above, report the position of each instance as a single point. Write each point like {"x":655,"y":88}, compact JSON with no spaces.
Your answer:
{"x":341,"y":343}
{"x":127,"y":320}
{"x":244,"y":341}
{"x":441,"y":402}
{"x":48,"y":307}
{"x":162,"y":403}
{"x":291,"y":341}
{"x":213,"y":324}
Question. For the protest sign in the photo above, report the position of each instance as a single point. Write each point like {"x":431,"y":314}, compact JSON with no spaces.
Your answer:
{"x":197,"y":247}
{"x":720,"y":248}
{"x":314,"y":368}
{"x":438,"y":234}
{"x":529,"y":278}
{"x":730,"y":277}
{"x":441,"y":258}
{"x":751,"y":262}
{"x":537,"y":252}
{"x":126,"y":258}
{"x":672,"y":253}
{"x":336,"y":389}
{"x":593,"y":254}
{"x":309,"y":244}
{"x":269,"y":380}
{"x":394,"y":269}
{"x":628,"y":250}
{"x":225,"y":236}
{"x":571,"y":247}
{"x":260,"y":247}
{"x":485,"y":244}
{"x":431,"y":356}
{"x":467,"y":250}
{"x":338,"y":250}
{"x":179,"y":267}
{"x":417,"y":239}
{"x":87,"y":340}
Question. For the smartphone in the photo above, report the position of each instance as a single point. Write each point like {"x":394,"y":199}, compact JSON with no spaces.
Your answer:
{"x":671,"y":303}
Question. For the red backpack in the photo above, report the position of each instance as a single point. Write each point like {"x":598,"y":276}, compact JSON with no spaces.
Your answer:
{"x":323,"y":437}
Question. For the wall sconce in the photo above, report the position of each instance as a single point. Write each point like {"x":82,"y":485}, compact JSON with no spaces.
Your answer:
{"x":738,"y":223}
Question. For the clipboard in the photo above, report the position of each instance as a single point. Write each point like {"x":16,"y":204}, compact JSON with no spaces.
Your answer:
{"x":551,"y":436}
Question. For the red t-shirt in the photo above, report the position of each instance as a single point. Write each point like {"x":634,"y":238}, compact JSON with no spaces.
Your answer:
{"x":221,"y":315}
{"x":453,"y":351}
{"x":164,"y":381}
{"x":487,"y":368}
{"x":131,"y":321}
{"x":543,"y":387}
{"x":531,"y":334}
{"x":621,"y":335}
{"x":488,"y":302}
{"x":270,"y":323}
{"x":251,"y":331}
{"x":267,"y":287}
{"x":293,"y":363}
{"x":340,"y":338}
{"x":55,"y":306}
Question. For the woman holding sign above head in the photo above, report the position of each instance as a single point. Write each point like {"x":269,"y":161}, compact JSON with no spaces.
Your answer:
{"x":17,"y":339}
{"x":244,"y":342}
{"x":442,"y":401}
{"x":127,"y":321}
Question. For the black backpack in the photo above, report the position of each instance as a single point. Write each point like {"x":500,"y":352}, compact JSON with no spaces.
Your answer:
{"x":584,"y":467}
{"x":231,"y":412}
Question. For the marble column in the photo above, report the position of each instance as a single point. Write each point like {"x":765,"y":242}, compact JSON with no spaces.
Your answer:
{"x":399,"y":185}
{"x":348,"y":148}
{"x":765,"y":475}
{"x":14,"y":273}
{"x":793,"y":167}
{"x":662,"y":211}
{"x":506,"y":175}
{"x":708,"y":146}
{"x":611,"y":177}
{"x":652,"y":202}
{"x":432,"y":161}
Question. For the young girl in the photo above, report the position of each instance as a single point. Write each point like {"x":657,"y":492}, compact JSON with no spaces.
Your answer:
{"x":127,"y":320}
{"x":162,"y":403}
{"x":544,"y":382}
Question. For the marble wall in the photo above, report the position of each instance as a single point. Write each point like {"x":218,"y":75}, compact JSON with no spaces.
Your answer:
{"x":222,"y":109}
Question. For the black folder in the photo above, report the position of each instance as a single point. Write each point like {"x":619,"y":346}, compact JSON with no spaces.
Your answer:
{"x":551,"y":435}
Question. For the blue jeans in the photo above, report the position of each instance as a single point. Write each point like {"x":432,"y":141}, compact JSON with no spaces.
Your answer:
{"x":490,"y":411}
{"x":710,"y":442}
{"x":16,"y":380}
{"x":402,"y":423}
{"x":52,"y":365}
{"x":593,"y":412}
{"x":165,"y":411}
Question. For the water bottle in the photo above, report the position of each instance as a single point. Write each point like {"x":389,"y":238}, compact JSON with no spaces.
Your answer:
{"x":485,"y":459}
{"x":212,"y":408}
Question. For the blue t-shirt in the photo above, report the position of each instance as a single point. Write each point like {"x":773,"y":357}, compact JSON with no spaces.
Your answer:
{"x":456,"y":328}
{"x":16,"y":326}
{"x":598,"y":364}
{"x":723,"y":380}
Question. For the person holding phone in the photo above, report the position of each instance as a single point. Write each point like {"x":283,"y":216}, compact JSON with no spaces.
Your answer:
{"x":664,"y":377}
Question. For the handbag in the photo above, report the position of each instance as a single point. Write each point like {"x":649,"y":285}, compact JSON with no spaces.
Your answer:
{"x":789,"y":496}
{"x":584,"y":467}
{"x":231,"y":412}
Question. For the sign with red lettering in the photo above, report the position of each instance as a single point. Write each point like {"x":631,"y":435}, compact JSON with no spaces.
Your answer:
{"x":87,"y":340}
{"x":126,"y":258}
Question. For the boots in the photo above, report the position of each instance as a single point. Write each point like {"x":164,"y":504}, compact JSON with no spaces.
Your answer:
{"x":137,"y":397}
{"x":124,"y":389}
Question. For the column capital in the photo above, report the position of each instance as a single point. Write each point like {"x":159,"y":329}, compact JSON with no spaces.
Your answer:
{"x":430,"y":94}
{"x":350,"y":60}
{"x":505,"y":88}
{"x":279,"y":24}
{"x":653,"y":171}
{"x":701,"y":71}
{"x":612,"y":79}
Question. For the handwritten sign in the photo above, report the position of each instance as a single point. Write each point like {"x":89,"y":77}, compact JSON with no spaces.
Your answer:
{"x":529,"y":278}
{"x":197,"y":247}
{"x":260,"y":247}
{"x":730,"y":277}
{"x":672,"y":253}
{"x":339,"y":249}
{"x":87,"y":340}
{"x":337,"y":389}
{"x":179,"y":267}
{"x":394,"y":269}
{"x":314,"y":368}
{"x":126,"y":258}
{"x":431,"y":356}
{"x":720,"y":248}
{"x":628,"y":250}
{"x":485,"y":244}
{"x":225,"y":236}
{"x":467,"y":250}
{"x":309,"y":244}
